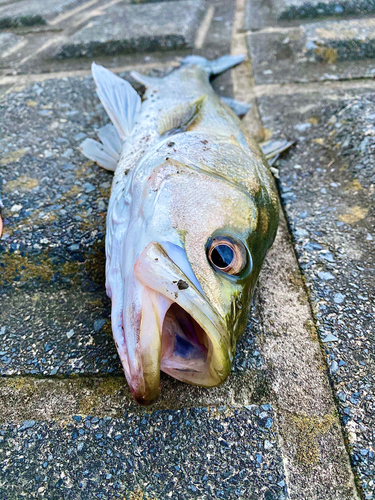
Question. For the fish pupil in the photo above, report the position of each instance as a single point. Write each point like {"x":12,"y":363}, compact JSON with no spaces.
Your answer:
{"x":222,"y":256}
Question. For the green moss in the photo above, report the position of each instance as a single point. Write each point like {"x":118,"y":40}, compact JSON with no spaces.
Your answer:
{"x":298,"y":285}
{"x":87,"y":404}
{"x":308,"y":429}
{"x":110,"y":386}
{"x":12,"y":157}
{"x":262,"y":387}
{"x":70,"y":268}
{"x":25,"y":398}
{"x":310,"y":327}
{"x":24,"y":268}
{"x":18,"y":268}
{"x":138,"y":495}
{"x":95,"y":263}
{"x":22,"y":183}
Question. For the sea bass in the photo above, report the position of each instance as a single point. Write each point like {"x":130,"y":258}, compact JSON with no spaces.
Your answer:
{"x":192,"y":213}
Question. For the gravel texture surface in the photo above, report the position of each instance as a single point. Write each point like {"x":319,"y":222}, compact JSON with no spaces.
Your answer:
{"x":327,"y":188}
{"x":220,"y":452}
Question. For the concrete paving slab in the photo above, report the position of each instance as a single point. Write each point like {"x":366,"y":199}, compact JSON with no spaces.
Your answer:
{"x":332,"y":41}
{"x":192,"y":453}
{"x":260,"y":14}
{"x":317,"y":51}
{"x":9,"y":43}
{"x":136,"y":28}
{"x":314,"y":454}
{"x":327,"y":188}
{"x":301,"y":9}
{"x":25,"y":13}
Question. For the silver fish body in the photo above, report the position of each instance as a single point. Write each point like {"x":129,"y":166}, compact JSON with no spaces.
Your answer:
{"x":192,"y":213}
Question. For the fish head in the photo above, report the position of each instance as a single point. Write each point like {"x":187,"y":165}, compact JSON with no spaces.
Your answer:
{"x":190,"y":258}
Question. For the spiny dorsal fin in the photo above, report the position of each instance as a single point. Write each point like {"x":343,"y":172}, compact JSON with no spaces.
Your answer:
{"x":180,"y":118}
{"x":119,"y":99}
{"x":147,"y":81}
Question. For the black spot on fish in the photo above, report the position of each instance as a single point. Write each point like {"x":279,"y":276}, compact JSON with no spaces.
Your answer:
{"x":170,"y":144}
{"x":182,"y":285}
{"x":204,"y":141}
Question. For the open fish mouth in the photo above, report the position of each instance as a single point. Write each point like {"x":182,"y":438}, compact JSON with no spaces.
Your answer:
{"x":185,"y":347}
{"x":178,"y":331}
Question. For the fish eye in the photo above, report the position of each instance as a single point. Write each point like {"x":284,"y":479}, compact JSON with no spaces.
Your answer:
{"x":227,"y":255}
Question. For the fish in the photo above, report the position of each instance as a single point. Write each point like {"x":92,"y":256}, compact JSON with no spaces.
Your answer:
{"x":192,"y":212}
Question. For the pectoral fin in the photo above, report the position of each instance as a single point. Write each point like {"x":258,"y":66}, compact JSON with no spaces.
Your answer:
{"x":180,"y":118}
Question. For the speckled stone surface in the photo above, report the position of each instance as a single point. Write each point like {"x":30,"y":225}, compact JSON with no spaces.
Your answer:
{"x":8,"y":43}
{"x":327,"y":189}
{"x":54,"y":226}
{"x":69,"y":427}
{"x":223,"y":452}
{"x":329,"y":50}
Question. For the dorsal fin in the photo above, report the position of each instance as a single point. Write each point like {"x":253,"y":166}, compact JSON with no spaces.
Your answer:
{"x":119,"y":99}
{"x":147,"y":81}
{"x":181,"y":117}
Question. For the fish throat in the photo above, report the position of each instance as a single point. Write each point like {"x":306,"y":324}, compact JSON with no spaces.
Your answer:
{"x":185,"y":346}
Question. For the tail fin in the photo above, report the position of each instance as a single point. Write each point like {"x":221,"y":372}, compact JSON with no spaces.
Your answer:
{"x":216,"y":66}
{"x":147,"y":81}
